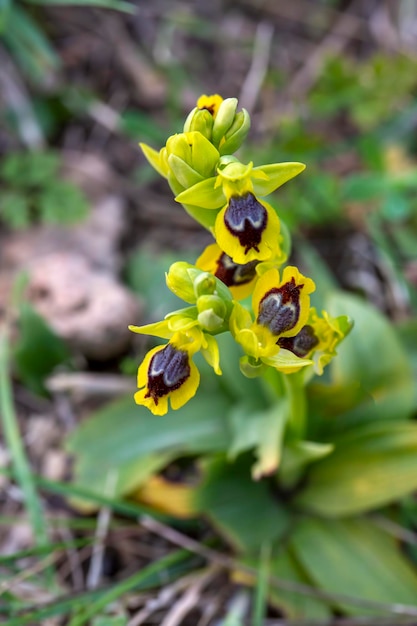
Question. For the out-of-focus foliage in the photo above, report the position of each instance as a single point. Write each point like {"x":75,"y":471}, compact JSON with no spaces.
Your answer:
{"x":33,"y":191}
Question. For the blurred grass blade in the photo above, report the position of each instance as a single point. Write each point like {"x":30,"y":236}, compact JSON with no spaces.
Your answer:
{"x":261,"y":589}
{"x":13,"y":439}
{"x":29,"y":45}
{"x":116,"y":5}
{"x":5,"y":6}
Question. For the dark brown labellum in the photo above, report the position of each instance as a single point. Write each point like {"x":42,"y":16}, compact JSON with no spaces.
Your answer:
{"x":232,"y":274}
{"x":301,"y":344}
{"x":279,"y":309}
{"x":168,"y":370}
{"x":246,"y":218}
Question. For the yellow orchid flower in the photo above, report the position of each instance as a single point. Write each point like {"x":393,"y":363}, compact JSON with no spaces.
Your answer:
{"x":167,"y":372}
{"x":281,"y":308}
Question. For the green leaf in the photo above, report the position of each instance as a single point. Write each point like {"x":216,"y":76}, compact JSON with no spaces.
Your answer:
{"x":38,"y":349}
{"x":296,"y":606}
{"x":262,"y":431}
{"x":4,"y":13}
{"x":129,"y":440}
{"x":30,"y":169}
{"x":371,"y":466}
{"x":356,"y":559}
{"x":116,"y":5}
{"x":372,"y":359}
{"x":245,"y":511}
{"x":364,"y":187}
{"x":296,"y":456}
{"x":14,"y":209}
{"x":396,"y":207}
{"x":101,"y":476}
{"x":62,"y":203}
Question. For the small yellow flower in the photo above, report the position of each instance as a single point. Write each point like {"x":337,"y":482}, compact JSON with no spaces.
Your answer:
{"x":167,"y":372}
{"x":282,"y":306}
{"x":247,"y":229}
{"x":330,"y":331}
{"x":318,"y":339}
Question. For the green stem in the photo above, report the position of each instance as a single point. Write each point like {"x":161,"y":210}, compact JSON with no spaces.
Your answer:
{"x":295,"y":388}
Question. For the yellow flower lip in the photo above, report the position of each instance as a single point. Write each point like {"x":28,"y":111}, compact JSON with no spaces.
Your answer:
{"x":166,"y":372}
{"x":247,"y":229}
{"x":283,"y":305}
{"x":210,"y":103}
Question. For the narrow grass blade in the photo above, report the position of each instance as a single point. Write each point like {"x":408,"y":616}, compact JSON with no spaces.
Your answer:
{"x":20,"y":463}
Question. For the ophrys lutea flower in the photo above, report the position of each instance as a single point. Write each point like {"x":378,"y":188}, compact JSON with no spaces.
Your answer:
{"x":281,"y":307}
{"x":246,"y":227}
{"x":169,"y":373}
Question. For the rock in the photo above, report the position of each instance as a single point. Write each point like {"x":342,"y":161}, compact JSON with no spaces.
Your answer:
{"x":85,"y":306}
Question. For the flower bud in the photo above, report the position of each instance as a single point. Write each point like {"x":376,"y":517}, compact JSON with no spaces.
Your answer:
{"x":224,"y":119}
{"x":199,"y":120}
{"x":180,"y":281}
{"x":204,"y":284}
{"x":212,"y":312}
{"x":191,"y":158}
{"x":236,"y":134}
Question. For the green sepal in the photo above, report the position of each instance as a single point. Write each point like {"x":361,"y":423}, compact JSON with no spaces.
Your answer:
{"x":286,"y":361}
{"x":195,"y":150}
{"x":203,"y":194}
{"x":251,"y":368}
{"x":154,"y":159}
{"x":184,"y":173}
{"x":205,"y":217}
{"x":277,"y":173}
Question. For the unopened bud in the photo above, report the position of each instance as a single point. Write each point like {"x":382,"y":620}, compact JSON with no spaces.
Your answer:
{"x":224,"y":119}
{"x":199,"y":120}
{"x":236,"y":134}
{"x":180,"y":282}
{"x":212,"y":312}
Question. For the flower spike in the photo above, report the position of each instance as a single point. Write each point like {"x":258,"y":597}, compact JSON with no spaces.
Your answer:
{"x":277,"y":328}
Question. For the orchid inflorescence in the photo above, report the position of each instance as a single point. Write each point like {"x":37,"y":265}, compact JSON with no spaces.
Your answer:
{"x":277,"y":328}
